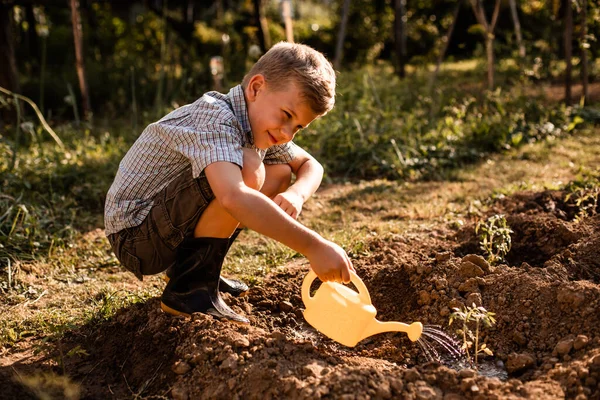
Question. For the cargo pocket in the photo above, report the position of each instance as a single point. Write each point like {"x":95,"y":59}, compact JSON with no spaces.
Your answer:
{"x":131,"y":263}
{"x":169,"y":233}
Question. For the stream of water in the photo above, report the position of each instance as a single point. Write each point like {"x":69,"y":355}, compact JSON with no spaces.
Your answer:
{"x":438,"y":346}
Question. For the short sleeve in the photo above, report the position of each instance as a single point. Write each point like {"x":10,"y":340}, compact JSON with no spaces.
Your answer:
{"x":213,"y":143}
{"x":280,"y":154}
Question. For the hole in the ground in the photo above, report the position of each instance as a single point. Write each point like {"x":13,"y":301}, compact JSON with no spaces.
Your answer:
{"x":536,"y":239}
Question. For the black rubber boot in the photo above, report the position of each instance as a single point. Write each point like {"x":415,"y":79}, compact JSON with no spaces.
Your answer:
{"x":194,"y":285}
{"x":234,"y":287}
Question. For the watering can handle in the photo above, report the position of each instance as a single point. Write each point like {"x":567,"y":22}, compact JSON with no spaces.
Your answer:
{"x":363,"y":292}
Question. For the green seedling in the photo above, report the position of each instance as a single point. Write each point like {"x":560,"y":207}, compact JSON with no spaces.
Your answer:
{"x":495,"y":237}
{"x":586,"y":201}
{"x":584,"y":192}
{"x":481,"y":318}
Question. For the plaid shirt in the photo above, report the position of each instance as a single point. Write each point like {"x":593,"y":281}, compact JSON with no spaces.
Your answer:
{"x":213,"y":128}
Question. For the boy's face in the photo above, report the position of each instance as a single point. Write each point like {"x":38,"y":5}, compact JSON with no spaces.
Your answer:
{"x":275,"y":116}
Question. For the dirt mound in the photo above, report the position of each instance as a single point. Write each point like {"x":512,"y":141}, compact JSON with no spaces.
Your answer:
{"x":546,"y":341}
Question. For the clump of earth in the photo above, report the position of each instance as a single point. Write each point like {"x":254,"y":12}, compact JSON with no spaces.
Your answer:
{"x":546,"y":342}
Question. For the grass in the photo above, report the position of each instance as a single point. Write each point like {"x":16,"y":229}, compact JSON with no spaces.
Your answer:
{"x":64,"y":275}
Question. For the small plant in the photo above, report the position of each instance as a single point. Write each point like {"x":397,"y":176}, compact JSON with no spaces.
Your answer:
{"x":584,"y":192}
{"x":495,"y":237}
{"x":586,"y":201}
{"x":480,"y":316}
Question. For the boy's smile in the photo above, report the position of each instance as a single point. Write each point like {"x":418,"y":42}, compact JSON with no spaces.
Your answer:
{"x":275,"y":116}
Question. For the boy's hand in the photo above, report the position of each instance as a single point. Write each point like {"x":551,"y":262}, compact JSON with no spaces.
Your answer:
{"x":330,"y":262}
{"x":290,"y":202}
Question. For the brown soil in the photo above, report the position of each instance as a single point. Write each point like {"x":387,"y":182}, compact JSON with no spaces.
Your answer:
{"x":546,"y":341}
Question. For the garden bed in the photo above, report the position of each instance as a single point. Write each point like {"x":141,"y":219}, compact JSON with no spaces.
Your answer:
{"x":546,"y":341}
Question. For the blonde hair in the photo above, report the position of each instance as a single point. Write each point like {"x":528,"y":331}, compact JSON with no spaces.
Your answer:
{"x":303,"y":65}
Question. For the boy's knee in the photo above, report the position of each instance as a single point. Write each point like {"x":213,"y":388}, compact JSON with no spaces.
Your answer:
{"x":278,"y":178}
{"x":253,"y":171}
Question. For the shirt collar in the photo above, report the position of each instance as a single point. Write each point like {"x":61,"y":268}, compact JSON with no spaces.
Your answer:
{"x":238,"y":102}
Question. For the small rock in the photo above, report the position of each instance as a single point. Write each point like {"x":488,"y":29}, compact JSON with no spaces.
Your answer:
{"x":519,"y":338}
{"x":494,"y":383}
{"x":268,"y":304}
{"x":519,"y":362}
{"x":474,"y":298}
{"x":230,"y":362}
{"x":411,"y":375}
{"x":595,"y":360}
{"x":455,"y":303}
{"x":285,"y":306}
{"x":466,"y":373}
{"x":426,"y":393}
{"x":564,"y":347}
{"x":181,"y":367}
{"x":441,"y":283}
{"x":469,"y":270}
{"x":479,"y":261}
{"x":471,"y":285}
{"x":445,"y":311}
{"x":241,"y":341}
{"x":314,"y":369}
{"x":247,"y":307}
{"x":580,"y":342}
{"x":424,"y":298}
{"x":441,"y":257}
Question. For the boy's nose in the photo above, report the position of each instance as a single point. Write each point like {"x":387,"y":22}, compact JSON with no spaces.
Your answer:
{"x":287,"y":133}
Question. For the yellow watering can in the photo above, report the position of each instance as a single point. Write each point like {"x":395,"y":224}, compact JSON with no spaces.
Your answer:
{"x":346,"y":316}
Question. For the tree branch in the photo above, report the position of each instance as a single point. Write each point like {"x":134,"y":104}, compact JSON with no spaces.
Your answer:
{"x":479,"y":14}
{"x":38,"y":113}
{"x":495,"y":16}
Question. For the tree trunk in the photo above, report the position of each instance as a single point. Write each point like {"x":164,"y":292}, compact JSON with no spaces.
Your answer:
{"x":584,"y":52}
{"x":489,"y":28}
{"x":262,"y":24}
{"x":79,"y":63}
{"x":9,"y":77}
{"x":489,"y":49}
{"x":287,"y":18}
{"x":400,"y":36}
{"x":445,"y":46}
{"x":568,"y":50}
{"x":515,"y":17}
{"x":339,"y":46}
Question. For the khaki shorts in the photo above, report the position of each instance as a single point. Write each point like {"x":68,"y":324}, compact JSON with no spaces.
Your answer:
{"x":151,"y":247}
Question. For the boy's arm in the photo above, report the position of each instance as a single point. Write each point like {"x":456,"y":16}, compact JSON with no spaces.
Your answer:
{"x":256,"y":211}
{"x":309,"y":174}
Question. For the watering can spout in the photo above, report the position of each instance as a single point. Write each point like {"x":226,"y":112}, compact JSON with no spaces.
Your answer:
{"x":413,"y":330}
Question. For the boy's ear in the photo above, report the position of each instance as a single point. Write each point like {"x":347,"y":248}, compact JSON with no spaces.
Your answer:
{"x":256,"y":84}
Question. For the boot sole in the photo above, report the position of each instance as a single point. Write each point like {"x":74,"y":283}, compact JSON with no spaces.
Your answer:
{"x":166,"y":279}
{"x":175,"y":313}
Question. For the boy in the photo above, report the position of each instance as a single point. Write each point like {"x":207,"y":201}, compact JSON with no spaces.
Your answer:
{"x":193,"y":178}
